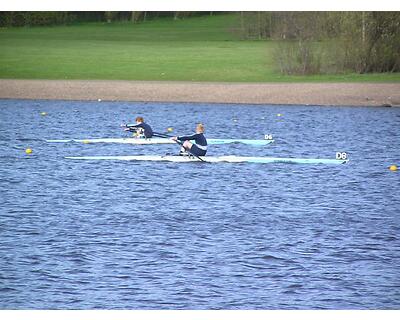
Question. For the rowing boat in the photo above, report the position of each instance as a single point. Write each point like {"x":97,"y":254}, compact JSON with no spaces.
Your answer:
{"x":232,"y":159}
{"x":163,"y":141}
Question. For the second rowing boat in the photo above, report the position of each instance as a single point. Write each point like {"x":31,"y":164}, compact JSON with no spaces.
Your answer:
{"x":162,"y":141}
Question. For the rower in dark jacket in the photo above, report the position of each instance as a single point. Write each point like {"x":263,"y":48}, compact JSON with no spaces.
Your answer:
{"x":141,"y":127}
{"x":199,"y":147}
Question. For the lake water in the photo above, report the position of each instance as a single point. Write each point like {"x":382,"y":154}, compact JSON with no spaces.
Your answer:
{"x":157,"y":235}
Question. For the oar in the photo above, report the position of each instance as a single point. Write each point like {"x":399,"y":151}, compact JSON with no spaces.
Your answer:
{"x":162,"y":135}
{"x":181,"y":144}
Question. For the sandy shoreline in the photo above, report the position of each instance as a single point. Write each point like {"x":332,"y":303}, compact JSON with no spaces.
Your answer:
{"x":348,"y":94}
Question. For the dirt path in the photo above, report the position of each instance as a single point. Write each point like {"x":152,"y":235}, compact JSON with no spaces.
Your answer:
{"x":350,"y":94}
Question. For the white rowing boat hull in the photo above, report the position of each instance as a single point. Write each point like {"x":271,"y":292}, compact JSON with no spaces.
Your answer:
{"x":162,"y":141}
{"x":232,"y":159}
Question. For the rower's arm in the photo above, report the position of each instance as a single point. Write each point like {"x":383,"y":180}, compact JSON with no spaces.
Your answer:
{"x":184,"y":138}
{"x":132,"y":125}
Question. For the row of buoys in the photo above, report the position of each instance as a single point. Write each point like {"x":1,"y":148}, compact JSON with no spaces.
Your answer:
{"x":262,"y":118}
{"x":278,"y":114}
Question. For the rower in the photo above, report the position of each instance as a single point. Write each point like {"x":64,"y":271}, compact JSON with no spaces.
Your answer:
{"x":141,"y":127}
{"x":199,"y":147}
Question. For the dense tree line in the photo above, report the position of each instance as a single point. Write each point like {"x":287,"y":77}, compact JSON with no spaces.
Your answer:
{"x":329,"y":42}
{"x":37,"y":18}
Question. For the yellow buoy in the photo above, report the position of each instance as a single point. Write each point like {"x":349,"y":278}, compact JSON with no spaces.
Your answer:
{"x":43,"y":113}
{"x":393,"y":167}
{"x":279,"y":114}
{"x":86,"y":141}
{"x":170,"y":129}
{"x":28,"y":151}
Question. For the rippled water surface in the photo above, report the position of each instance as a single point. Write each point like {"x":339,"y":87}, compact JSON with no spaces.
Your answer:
{"x":156,"y":235}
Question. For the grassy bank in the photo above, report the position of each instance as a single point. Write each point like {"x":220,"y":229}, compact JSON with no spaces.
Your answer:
{"x":194,"y":49}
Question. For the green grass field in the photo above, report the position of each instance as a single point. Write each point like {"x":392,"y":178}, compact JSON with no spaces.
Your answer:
{"x":194,"y":49}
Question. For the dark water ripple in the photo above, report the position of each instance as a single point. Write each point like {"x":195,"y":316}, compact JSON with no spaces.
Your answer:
{"x":130,"y":235}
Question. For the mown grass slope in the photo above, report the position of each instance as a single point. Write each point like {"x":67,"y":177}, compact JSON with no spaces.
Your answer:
{"x":194,"y":49}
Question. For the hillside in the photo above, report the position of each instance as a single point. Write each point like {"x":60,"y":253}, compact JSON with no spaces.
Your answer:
{"x":194,"y":49}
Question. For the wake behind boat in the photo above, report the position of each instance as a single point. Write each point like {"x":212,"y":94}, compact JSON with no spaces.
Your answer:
{"x":141,"y":141}
{"x":231,"y":159}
